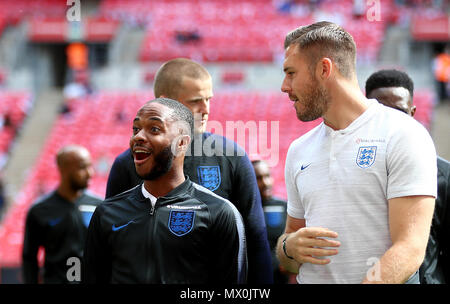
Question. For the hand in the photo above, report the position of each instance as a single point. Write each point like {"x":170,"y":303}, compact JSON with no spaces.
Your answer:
{"x":306,"y":244}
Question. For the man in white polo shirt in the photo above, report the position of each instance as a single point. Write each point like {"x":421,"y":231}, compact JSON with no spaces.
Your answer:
{"x":361,"y":185}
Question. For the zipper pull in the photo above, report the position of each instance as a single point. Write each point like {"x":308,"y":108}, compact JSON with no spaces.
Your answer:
{"x":152,"y":210}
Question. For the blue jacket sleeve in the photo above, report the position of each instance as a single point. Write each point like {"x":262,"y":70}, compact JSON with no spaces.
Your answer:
{"x":32,"y":241}
{"x":97,"y":258}
{"x":245,"y":190}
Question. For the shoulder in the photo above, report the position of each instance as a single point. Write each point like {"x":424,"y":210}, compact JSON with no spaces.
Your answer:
{"x":43,"y":200}
{"x":305,"y":140}
{"x":124,"y":156}
{"x":212,"y":200}
{"x":226,"y":143}
{"x":396,"y":121}
{"x":124,"y":195}
{"x":122,"y":159}
{"x":443,"y":166}
{"x":443,"y":163}
{"x":117,"y":201}
{"x":92,"y":197}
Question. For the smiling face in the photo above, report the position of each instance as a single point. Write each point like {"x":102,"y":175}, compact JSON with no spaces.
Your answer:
{"x":310,"y":98}
{"x":151,"y":141}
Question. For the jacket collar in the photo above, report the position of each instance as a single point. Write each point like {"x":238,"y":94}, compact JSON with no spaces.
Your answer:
{"x":178,"y":191}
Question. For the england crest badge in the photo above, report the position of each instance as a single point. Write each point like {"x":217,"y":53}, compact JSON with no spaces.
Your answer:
{"x":181,"y":222}
{"x":209,"y":177}
{"x":366,"y":156}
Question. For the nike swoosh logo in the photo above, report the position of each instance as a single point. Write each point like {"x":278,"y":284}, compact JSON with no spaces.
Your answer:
{"x":115,"y":228}
{"x":304,"y":167}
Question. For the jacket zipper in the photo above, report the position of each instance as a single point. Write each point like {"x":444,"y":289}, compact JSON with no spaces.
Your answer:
{"x":149,"y":240}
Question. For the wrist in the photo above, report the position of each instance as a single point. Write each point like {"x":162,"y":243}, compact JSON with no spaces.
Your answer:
{"x":284,"y":248}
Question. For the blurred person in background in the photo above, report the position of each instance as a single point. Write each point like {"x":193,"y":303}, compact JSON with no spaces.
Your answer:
{"x":275,"y":215}
{"x":441,"y":70}
{"x":229,"y":175}
{"x":58,"y":221}
{"x":395,"y":89}
{"x":2,"y":195}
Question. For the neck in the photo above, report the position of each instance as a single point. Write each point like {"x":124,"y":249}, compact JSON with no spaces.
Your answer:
{"x":347,"y":104}
{"x":166,"y":183}
{"x":68,"y":193}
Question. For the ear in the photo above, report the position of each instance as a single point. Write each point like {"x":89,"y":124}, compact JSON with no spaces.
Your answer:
{"x":182,"y":143}
{"x":324,"y":68}
{"x":413,"y":111}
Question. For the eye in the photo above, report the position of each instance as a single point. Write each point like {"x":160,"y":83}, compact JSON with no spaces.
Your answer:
{"x":135,"y":130}
{"x":155,"y":129}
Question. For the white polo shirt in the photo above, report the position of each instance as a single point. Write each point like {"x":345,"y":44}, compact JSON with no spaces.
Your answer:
{"x":343,"y":179}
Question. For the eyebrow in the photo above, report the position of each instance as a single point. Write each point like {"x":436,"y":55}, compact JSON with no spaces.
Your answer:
{"x":150,"y":118}
{"x":200,"y":98}
{"x":156,"y":118}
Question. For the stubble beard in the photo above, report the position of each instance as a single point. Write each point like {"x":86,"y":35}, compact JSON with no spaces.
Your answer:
{"x":163,"y":163}
{"x":315,"y":101}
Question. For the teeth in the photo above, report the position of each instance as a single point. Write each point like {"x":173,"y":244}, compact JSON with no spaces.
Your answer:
{"x":141,"y":151}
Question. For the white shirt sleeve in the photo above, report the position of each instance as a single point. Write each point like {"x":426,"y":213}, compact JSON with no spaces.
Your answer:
{"x":411,"y":162}
{"x":294,"y":204}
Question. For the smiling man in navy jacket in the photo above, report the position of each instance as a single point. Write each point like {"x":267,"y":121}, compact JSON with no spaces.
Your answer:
{"x":168,"y":229}
{"x":212,"y":161}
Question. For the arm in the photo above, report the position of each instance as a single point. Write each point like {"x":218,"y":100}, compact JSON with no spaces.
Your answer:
{"x":409,"y":224}
{"x":246,"y":192}
{"x":304,"y":244}
{"x":96,"y":258}
{"x":30,"y":268}
{"x":228,"y":236}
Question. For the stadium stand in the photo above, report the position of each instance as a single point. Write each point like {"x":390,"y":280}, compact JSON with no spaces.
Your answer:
{"x":210,"y":31}
{"x":14,"y":107}
{"x":233,"y":30}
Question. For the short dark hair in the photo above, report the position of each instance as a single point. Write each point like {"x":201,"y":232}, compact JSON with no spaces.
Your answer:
{"x":388,"y":79}
{"x":170,"y":75}
{"x":325,"y":39}
{"x":180,"y":112}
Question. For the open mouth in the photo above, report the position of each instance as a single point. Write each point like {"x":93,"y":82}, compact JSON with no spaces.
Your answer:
{"x":141,"y":155}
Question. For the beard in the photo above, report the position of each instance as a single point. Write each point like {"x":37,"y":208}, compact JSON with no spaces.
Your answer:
{"x":315,"y":102}
{"x":77,"y":185}
{"x":163,"y":160}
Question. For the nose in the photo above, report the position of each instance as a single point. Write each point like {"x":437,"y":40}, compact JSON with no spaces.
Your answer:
{"x":139,"y":136}
{"x":285,"y":86}
{"x":204,"y":106}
